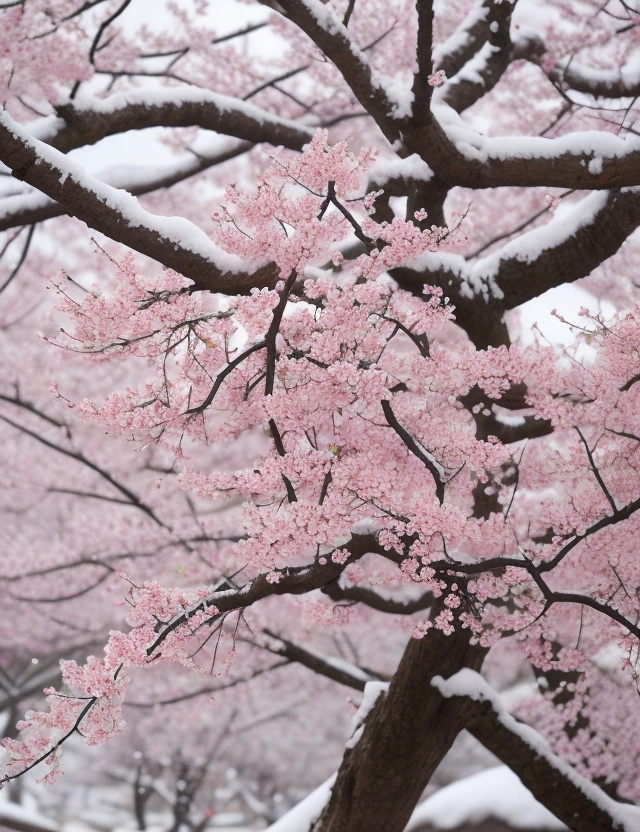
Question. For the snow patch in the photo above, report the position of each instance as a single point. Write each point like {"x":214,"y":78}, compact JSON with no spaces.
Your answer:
{"x":496,"y":794}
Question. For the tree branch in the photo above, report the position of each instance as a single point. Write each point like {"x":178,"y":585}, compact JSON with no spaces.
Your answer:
{"x":93,"y":120}
{"x":482,"y":71}
{"x":291,"y":581}
{"x":423,"y":455}
{"x":327,"y":31}
{"x":561,"y":251}
{"x":27,"y":209}
{"x":572,"y":798}
{"x":338,"y":670}
{"x":363,"y":595}
{"x":174,"y":242}
{"x":588,"y":160}
{"x":132,"y":499}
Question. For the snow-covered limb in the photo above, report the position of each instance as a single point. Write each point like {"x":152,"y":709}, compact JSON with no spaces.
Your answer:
{"x":564,"y":250}
{"x":34,"y":207}
{"x":583,"y":160}
{"x":173,"y":241}
{"x":90,"y":119}
{"x":479,"y":53}
{"x":572,"y":798}
{"x":321,"y":23}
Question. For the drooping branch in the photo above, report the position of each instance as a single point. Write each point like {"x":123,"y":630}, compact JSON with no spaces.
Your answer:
{"x":572,"y":798}
{"x":31,"y":208}
{"x":174,"y":242}
{"x":290,"y":581}
{"x":95,"y":119}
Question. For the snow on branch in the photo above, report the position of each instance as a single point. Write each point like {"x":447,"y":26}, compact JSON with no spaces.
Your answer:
{"x":26,"y":209}
{"x":326,"y":30}
{"x":173,"y":241}
{"x":575,"y":800}
{"x":565,"y":249}
{"x":93,"y":119}
{"x":586,"y":160}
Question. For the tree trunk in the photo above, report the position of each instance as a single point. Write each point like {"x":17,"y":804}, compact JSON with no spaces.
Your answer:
{"x":405,"y":736}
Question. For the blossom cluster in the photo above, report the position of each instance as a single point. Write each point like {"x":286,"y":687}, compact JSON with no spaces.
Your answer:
{"x":358,"y":393}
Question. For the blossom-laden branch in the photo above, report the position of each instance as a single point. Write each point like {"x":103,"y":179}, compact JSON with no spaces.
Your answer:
{"x":353,"y":378}
{"x":93,"y":706}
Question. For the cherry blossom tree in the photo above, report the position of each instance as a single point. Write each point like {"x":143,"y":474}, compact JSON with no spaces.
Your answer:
{"x":344,"y":425}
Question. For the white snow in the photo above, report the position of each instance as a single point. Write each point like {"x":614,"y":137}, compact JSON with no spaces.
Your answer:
{"x":471,"y":684}
{"x":179,"y":96}
{"x":300,"y":818}
{"x":15,"y":814}
{"x":588,"y":144}
{"x":460,"y":38}
{"x":176,"y":229}
{"x":478,"y":278}
{"x":413,"y":167}
{"x":495,"y":794}
{"x":595,"y":166}
{"x":372,"y":691}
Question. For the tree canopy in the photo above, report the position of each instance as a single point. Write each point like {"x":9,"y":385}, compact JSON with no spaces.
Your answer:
{"x":301,"y":325}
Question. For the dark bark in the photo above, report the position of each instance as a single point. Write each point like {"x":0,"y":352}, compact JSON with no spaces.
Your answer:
{"x":404,"y":738}
{"x":222,"y":114}
{"x":542,"y":773}
{"x":334,"y":40}
{"x":103,"y":208}
{"x":564,"y":162}
{"x":28,"y":213}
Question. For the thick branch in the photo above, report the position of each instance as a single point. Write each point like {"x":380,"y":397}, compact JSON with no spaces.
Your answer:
{"x":588,"y":160}
{"x":572,"y":798}
{"x":564,"y":250}
{"x":482,"y":71}
{"x":88,"y":123}
{"x":326,"y":30}
{"x":174,"y":242}
{"x":27,"y":209}
{"x":623,"y":82}
{"x":466,"y":41}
